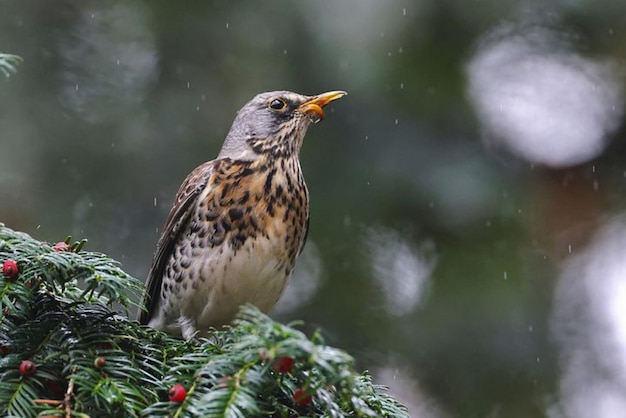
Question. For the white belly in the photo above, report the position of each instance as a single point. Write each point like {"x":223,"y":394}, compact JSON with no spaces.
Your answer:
{"x":234,"y":278}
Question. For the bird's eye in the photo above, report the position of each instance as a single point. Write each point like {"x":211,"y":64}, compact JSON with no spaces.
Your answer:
{"x":277,"y":104}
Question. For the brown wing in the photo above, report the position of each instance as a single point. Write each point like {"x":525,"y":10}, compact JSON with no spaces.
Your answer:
{"x":184,"y":205}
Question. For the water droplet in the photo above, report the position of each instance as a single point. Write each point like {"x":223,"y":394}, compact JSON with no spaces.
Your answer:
{"x":404,"y":11}
{"x":284,"y":52}
{"x":76,"y":86}
{"x":488,"y":224}
{"x":117,"y":62}
{"x":155,"y":201}
{"x":402,"y":88}
{"x":226,"y":25}
{"x":188,"y":84}
{"x":569,"y":248}
{"x":596,"y":185}
{"x":505,"y":275}
{"x":400,"y":50}
{"x":530,"y":328}
{"x":197,"y":108}
{"x":396,"y":121}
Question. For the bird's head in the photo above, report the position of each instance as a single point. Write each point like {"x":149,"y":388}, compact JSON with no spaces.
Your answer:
{"x":274,"y":123}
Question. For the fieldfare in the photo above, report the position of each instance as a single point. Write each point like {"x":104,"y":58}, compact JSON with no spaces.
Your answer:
{"x":238,"y":222}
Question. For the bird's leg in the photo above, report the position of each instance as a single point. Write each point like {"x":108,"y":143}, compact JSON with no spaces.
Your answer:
{"x":188,"y":327}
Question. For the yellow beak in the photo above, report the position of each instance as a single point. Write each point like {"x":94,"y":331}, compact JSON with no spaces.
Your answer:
{"x":313,"y":107}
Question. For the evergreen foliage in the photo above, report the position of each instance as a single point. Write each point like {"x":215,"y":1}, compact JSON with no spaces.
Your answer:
{"x":58,"y":313}
{"x":8,"y":62}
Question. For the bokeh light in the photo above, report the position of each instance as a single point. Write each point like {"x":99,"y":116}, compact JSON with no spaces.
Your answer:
{"x":539,"y":99}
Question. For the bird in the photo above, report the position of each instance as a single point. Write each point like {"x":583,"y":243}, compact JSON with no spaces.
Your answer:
{"x":238,"y":222}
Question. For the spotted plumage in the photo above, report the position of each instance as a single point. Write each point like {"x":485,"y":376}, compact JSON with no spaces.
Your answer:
{"x":238,"y":222}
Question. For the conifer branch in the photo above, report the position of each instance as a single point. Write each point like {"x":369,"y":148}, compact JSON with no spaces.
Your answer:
{"x":8,"y":63}
{"x":66,"y":352}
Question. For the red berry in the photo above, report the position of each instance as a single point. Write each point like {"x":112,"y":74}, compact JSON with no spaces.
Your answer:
{"x":61,"y":246}
{"x":301,"y":397}
{"x":27,"y":368}
{"x":100,"y":362}
{"x":177,"y":393}
{"x":10,"y":269}
{"x":283,"y":364}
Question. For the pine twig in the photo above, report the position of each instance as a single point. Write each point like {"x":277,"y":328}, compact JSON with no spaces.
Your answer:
{"x":8,"y":63}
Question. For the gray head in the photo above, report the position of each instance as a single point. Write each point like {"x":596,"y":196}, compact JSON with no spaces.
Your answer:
{"x":274,"y":123}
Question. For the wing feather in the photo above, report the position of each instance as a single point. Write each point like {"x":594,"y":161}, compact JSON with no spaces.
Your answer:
{"x":177,"y":220}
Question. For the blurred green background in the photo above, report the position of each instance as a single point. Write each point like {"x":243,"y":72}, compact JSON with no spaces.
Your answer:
{"x":467,"y":239}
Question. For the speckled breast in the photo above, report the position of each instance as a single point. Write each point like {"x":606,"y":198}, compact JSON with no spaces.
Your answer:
{"x":248,"y":228}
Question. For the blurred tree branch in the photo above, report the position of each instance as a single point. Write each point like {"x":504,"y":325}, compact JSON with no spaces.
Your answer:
{"x":8,"y":63}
